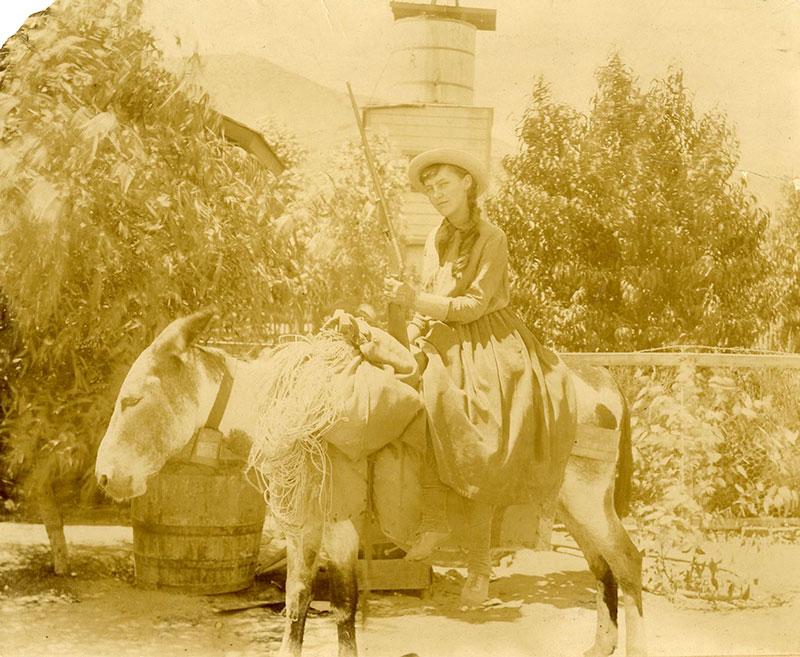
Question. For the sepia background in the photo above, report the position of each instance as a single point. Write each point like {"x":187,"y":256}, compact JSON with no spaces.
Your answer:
{"x":646,"y":168}
{"x":740,"y":57}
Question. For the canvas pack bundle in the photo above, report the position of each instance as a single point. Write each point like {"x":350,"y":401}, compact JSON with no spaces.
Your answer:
{"x":378,"y":395}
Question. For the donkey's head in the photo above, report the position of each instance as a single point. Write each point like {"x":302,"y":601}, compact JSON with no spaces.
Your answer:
{"x":164,"y":399}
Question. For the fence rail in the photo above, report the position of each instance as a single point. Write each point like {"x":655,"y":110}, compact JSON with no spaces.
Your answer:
{"x":674,"y":359}
{"x":600,"y":358}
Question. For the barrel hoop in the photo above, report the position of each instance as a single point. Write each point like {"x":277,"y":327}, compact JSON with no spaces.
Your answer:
{"x":195,"y":530}
{"x":191,"y":564}
{"x":198,"y":589}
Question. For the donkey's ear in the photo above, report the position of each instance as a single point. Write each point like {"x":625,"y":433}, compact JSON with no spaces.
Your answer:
{"x":182,"y":333}
{"x":194,"y":325}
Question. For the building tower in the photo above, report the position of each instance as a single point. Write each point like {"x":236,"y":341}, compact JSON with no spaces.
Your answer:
{"x":429,"y":97}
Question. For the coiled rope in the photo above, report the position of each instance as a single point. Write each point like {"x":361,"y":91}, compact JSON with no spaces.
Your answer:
{"x":299,"y":401}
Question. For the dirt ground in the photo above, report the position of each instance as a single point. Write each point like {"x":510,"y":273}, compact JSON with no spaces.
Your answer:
{"x":544,"y":607}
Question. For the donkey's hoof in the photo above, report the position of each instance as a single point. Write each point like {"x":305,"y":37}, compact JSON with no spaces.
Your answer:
{"x":600,"y":651}
{"x":292,"y":612}
{"x":288,"y":651}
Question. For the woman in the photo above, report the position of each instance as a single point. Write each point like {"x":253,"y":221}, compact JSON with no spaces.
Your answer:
{"x":500,"y":407}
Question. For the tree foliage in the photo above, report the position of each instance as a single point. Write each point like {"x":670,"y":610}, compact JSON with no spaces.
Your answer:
{"x":340,"y":224}
{"x":783,"y":247}
{"x":624,"y":229}
{"x":121,"y":209}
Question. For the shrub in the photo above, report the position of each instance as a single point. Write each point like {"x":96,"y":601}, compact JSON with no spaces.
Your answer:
{"x":714,"y":443}
{"x":708,"y":444}
{"x":121,"y":209}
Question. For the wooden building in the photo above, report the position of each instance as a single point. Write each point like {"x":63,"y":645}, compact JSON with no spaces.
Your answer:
{"x":430,"y":91}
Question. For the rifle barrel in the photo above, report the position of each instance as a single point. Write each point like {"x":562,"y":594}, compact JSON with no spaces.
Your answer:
{"x":389,"y":228}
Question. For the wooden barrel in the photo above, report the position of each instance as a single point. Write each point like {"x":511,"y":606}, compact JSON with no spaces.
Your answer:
{"x":197,"y":529}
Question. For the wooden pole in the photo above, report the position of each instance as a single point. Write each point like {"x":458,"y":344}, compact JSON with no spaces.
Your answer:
{"x":396,"y":326}
{"x":396,"y":316}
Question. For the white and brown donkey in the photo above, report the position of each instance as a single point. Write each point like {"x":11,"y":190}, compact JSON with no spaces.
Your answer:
{"x":174,"y":383}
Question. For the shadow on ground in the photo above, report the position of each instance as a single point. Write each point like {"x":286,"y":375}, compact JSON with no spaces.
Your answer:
{"x":29,"y":570}
{"x":562,"y":589}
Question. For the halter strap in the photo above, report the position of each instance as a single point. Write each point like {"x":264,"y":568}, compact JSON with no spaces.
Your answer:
{"x":206,"y":446}
{"x":221,"y":401}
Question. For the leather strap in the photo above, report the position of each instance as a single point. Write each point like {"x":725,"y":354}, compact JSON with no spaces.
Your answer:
{"x":221,"y":401}
{"x":206,"y":446}
{"x":596,"y":443}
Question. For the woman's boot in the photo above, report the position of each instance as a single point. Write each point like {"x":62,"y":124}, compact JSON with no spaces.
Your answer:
{"x":479,"y":565}
{"x":434,"y":528}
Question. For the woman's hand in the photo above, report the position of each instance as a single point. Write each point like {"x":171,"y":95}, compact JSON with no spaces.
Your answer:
{"x":398,"y":292}
{"x":346,"y":325}
{"x":414,"y":332}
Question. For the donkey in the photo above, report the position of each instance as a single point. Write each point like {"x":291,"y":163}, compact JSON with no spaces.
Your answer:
{"x":167,"y":396}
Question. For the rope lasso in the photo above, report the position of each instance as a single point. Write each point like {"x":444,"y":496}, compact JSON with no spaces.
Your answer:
{"x":299,"y":402}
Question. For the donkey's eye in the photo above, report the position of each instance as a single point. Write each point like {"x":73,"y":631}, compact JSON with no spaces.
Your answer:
{"x":127,"y":402}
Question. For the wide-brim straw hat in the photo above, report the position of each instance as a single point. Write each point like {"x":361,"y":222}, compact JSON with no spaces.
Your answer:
{"x":466,"y":161}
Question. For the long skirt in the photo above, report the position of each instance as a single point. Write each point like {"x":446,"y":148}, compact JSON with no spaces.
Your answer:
{"x":501,"y":409}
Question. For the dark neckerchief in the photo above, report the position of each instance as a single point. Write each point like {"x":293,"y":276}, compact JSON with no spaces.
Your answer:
{"x":444,"y":237}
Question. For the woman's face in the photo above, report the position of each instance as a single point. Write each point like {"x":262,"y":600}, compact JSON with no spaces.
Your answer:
{"x":447,"y":190}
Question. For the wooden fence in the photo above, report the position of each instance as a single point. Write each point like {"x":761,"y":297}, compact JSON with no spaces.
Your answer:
{"x":738,"y":360}
{"x":674,"y":359}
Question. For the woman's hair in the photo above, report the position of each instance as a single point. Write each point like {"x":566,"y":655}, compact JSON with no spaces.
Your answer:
{"x":470,"y":235}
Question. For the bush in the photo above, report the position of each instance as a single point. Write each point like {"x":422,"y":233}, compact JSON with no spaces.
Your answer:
{"x":708,"y":444}
{"x":339,"y":223}
{"x":121,"y":209}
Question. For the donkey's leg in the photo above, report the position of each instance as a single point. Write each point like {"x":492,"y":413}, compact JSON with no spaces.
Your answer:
{"x":606,"y":630}
{"x":582,"y":501}
{"x":341,"y":545}
{"x":587,"y":507}
{"x":626,"y":562}
{"x":302,"y":554}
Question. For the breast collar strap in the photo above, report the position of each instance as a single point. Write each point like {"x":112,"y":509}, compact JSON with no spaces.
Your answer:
{"x":221,"y":401}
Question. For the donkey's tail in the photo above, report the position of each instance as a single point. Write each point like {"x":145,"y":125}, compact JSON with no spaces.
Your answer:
{"x":623,"y":483}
